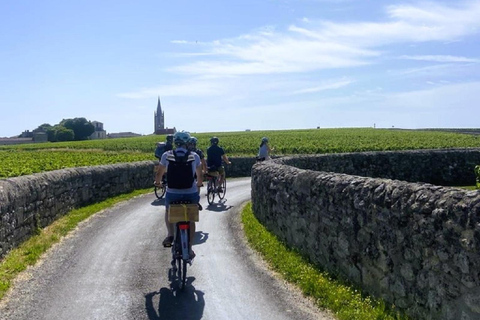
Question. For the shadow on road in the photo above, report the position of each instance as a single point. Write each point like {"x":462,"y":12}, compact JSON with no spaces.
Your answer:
{"x":176,"y":304}
{"x":218,"y":207}
{"x":200,"y":237}
{"x":158,"y":202}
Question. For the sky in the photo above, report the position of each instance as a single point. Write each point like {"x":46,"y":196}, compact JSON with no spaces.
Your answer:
{"x":234,"y":65}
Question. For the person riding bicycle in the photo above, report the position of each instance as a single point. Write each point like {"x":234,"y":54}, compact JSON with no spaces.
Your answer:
{"x":160,"y":149}
{"x":164,"y":146}
{"x":215,"y":155}
{"x":192,"y":146}
{"x":181,"y":183}
{"x":264,"y":150}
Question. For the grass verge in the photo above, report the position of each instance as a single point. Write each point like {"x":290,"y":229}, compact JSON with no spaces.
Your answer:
{"x":28,"y":253}
{"x":346,"y":302}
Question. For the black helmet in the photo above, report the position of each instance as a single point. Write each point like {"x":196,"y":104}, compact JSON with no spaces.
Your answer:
{"x":169,"y":138}
{"x":193,"y":141}
{"x":264,"y":139}
{"x":214,"y":140}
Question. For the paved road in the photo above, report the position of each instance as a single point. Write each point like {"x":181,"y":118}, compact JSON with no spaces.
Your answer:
{"x":113,"y":267}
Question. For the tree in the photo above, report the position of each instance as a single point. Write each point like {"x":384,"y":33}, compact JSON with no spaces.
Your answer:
{"x":81,"y":127}
{"x":43,"y":127}
{"x":64,"y":134}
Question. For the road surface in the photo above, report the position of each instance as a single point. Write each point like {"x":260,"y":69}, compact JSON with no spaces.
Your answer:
{"x":114,"y":267}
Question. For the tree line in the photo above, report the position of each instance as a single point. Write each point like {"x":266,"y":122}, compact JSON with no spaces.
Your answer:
{"x":68,"y":130}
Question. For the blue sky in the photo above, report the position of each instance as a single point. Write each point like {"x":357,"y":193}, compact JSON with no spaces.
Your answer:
{"x":236,"y":65}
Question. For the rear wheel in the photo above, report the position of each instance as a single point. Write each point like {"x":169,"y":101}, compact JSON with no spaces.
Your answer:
{"x":221,"y":195}
{"x":211,"y":191}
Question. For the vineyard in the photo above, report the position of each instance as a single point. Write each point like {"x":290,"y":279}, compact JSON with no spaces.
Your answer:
{"x":26,"y":159}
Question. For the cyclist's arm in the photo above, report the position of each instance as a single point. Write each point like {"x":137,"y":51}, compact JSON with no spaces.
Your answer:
{"x":160,"y":173}
{"x":199,"y":176}
{"x":225,"y":159}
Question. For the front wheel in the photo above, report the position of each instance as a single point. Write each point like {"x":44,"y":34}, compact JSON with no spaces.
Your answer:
{"x":160,"y":191}
{"x":210,"y":191}
{"x":221,"y":195}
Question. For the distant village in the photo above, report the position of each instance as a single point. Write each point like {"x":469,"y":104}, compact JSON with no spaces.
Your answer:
{"x":39,"y":136}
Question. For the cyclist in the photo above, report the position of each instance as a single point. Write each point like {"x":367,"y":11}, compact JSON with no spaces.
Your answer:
{"x":215,"y":155}
{"x":161,"y":148}
{"x":181,"y":184}
{"x":192,"y":146}
{"x":264,"y":150}
{"x":164,"y":146}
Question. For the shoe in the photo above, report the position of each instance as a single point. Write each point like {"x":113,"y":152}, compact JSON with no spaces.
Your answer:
{"x":191,"y":254}
{"x":200,"y":208}
{"x":167,"y":242}
{"x":219,"y":189}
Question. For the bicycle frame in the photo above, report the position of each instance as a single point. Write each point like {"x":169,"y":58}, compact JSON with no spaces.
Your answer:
{"x":182,"y":214}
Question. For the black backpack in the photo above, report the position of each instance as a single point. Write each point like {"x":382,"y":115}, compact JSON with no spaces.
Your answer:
{"x":179,"y":171}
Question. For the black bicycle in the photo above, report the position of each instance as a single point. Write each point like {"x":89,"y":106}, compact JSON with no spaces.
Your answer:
{"x":213,"y":178}
{"x":160,"y":190}
{"x":181,"y":213}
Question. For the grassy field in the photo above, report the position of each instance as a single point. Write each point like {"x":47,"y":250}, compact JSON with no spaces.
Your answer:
{"x":31,"y":158}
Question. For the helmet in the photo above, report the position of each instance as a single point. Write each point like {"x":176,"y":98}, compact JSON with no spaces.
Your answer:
{"x":181,"y":138}
{"x":169,"y":138}
{"x":214,"y":140}
{"x":264,"y":139}
{"x":192,"y":140}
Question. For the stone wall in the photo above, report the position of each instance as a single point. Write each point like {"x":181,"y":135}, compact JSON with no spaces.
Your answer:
{"x":416,"y":245}
{"x":31,"y":202}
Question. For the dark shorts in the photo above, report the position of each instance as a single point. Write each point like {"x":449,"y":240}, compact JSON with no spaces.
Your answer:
{"x":169,"y":197}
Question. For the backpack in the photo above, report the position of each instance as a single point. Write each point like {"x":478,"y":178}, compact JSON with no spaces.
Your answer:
{"x":161,"y":148}
{"x":179,"y":173}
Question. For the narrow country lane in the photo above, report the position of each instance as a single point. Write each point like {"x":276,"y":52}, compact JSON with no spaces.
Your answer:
{"x":114,"y":267}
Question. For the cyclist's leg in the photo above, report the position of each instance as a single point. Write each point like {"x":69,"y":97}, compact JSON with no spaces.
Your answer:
{"x":221,"y":172}
{"x":194,"y":198}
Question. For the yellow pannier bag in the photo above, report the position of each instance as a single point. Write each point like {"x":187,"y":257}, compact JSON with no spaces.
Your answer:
{"x":182,"y":212}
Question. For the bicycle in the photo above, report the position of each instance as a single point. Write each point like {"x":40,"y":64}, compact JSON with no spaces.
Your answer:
{"x":181,"y":213}
{"x":212,"y":186}
{"x":159,"y":190}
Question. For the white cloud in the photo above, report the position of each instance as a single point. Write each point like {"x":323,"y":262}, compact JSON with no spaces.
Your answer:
{"x":328,"y":45}
{"x":440,"y":58}
{"x":325,"y":86}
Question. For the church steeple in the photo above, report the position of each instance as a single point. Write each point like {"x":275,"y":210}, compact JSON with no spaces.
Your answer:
{"x":159,"y":107}
{"x":159,"y":118}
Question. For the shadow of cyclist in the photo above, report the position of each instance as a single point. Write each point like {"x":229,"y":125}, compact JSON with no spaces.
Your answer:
{"x":158,"y":202}
{"x":176,"y":304}
{"x":219,"y":206}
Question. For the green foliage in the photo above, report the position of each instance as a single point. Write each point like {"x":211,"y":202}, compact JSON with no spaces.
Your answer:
{"x":21,"y":162}
{"x":64,"y":134}
{"x":243,"y":143}
{"x":81,"y":127}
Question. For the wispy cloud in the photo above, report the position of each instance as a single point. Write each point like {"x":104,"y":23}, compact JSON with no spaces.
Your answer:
{"x":325,"y":86}
{"x":317,"y":45}
{"x":440,"y":58}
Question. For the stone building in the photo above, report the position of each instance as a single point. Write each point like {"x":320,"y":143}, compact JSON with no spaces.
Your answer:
{"x":99,"y":132}
{"x":159,"y":121}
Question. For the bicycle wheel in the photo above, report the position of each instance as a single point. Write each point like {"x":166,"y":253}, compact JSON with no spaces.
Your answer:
{"x":221,"y":195}
{"x":160,"y":192}
{"x":211,"y":191}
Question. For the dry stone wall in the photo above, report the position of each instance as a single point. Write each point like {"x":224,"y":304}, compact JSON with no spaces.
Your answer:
{"x":31,"y":202}
{"x":413,"y":244}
